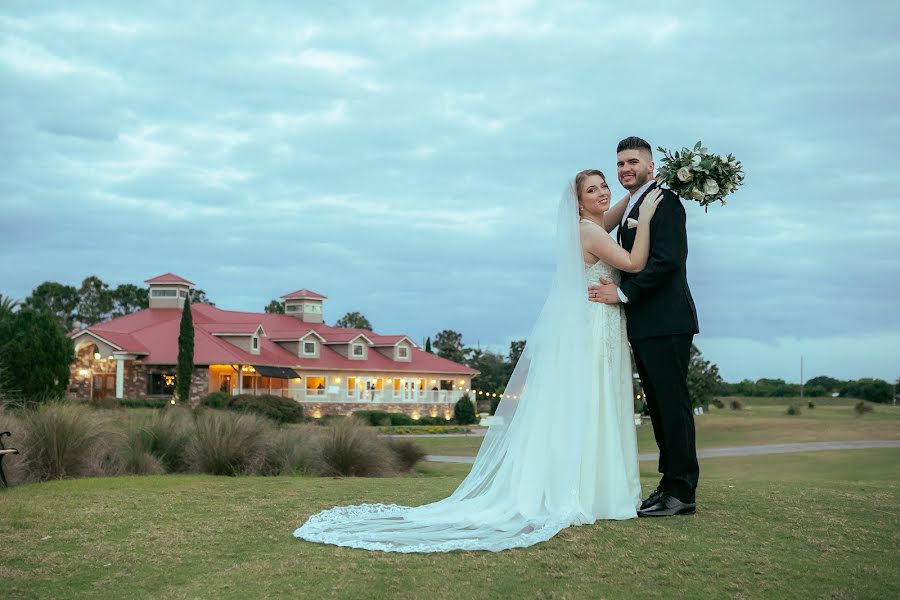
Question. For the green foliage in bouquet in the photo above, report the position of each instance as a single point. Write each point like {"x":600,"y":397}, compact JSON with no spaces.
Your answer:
{"x":698,"y":175}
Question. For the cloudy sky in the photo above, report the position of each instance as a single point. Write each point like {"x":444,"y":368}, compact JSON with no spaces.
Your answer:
{"x":405,"y":158}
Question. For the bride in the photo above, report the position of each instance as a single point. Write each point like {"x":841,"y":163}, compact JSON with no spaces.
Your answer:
{"x":561,"y":449}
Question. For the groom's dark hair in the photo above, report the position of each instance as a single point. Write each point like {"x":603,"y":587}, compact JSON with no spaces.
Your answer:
{"x":634,"y":143}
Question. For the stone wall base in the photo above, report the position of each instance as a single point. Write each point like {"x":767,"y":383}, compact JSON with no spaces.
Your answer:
{"x":413,"y":409}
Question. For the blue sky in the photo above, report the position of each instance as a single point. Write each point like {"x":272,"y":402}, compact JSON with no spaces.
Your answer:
{"x":405,"y":159}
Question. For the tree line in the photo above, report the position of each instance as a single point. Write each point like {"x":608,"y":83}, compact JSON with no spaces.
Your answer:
{"x":873,"y":390}
{"x":35,"y":353}
{"x":704,"y":379}
{"x":495,"y":369}
{"x":92,"y":302}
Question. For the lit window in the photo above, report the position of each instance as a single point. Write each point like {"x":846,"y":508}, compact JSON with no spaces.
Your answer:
{"x":161,"y":384}
{"x":309,"y":348}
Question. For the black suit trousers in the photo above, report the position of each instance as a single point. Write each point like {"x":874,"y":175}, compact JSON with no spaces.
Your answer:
{"x":662,"y":363}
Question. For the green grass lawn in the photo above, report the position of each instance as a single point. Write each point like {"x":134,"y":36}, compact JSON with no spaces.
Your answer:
{"x":822,"y":524}
{"x":763,"y":423}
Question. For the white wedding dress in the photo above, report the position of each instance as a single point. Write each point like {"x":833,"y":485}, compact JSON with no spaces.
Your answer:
{"x":561,"y":450}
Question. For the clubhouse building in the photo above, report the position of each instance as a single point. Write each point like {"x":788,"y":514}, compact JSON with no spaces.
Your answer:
{"x":329,"y":370}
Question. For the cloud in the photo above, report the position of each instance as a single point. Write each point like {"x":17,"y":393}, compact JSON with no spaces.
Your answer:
{"x":406,"y":160}
{"x":323,"y":60}
{"x":33,"y":60}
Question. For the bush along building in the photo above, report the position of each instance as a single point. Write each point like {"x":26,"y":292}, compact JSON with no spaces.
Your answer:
{"x":329,"y":370}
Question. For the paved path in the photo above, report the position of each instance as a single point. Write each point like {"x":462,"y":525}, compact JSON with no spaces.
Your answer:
{"x":736,"y":451}
{"x":474,"y":433}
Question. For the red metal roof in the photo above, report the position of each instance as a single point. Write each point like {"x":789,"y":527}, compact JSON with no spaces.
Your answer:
{"x":304,"y":293}
{"x":234,"y":328}
{"x":343,"y":335}
{"x":389,"y":340}
{"x":154,"y":332}
{"x":169,"y":278}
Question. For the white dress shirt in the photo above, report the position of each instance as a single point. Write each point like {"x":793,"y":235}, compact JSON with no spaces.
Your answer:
{"x":631,"y":202}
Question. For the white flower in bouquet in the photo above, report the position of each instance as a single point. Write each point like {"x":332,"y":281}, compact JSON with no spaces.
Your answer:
{"x":698,"y":175}
{"x":710,"y":187}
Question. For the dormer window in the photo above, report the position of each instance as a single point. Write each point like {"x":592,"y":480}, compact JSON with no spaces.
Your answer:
{"x":403,"y":352}
{"x":157,"y":293}
{"x":309,"y":348}
{"x":358,"y":351}
{"x":182,"y":293}
{"x":255,"y":343}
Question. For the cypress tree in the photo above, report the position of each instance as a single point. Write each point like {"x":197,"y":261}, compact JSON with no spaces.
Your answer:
{"x":428,"y":344}
{"x":185,"y":354}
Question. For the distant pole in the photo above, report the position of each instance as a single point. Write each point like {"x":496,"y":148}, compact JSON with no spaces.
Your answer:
{"x":801,"y":378}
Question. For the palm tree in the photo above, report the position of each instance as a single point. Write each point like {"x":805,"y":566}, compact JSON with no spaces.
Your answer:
{"x":7,"y":304}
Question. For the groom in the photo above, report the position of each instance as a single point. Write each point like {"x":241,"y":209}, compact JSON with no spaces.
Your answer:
{"x":662,"y":322}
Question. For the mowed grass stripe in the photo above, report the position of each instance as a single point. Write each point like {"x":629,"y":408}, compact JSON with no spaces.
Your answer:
{"x":801,"y":525}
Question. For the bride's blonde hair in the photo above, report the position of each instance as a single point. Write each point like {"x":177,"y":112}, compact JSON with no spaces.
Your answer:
{"x":578,"y":184}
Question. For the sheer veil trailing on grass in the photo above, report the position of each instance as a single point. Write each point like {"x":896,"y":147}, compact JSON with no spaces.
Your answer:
{"x":550,"y":459}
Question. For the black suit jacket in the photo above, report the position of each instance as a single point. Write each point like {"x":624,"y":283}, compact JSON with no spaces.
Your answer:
{"x":659,"y":299}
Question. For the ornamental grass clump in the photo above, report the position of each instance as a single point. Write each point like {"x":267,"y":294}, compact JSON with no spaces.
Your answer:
{"x":137,"y":458}
{"x":226,"y":443}
{"x":166,"y":436}
{"x":63,"y":440}
{"x":862,"y":407}
{"x":794,"y":409}
{"x":350,"y":448}
{"x":294,"y":451}
{"x":407,"y":452}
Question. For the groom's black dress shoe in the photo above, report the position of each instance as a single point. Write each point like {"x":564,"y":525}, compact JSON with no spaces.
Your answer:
{"x":668,"y":506}
{"x":652,"y":499}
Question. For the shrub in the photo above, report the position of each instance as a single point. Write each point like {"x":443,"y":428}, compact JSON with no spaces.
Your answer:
{"x":216,"y":400}
{"x":401,"y":419}
{"x":142,"y":402}
{"x":794,"y":409}
{"x":350,"y":448}
{"x":426,"y":429}
{"x":464,"y":411}
{"x":717,"y":403}
{"x":226,"y":444}
{"x":737,"y":405}
{"x":408,"y":453}
{"x":280,"y":410}
{"x":373,"y":417}
{"x":811,"y":404}
{"x":430,"y":421}
{"x":861,"y":408}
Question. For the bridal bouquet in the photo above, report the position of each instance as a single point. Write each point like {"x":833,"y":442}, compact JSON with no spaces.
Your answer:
{"x":699,"y":175}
